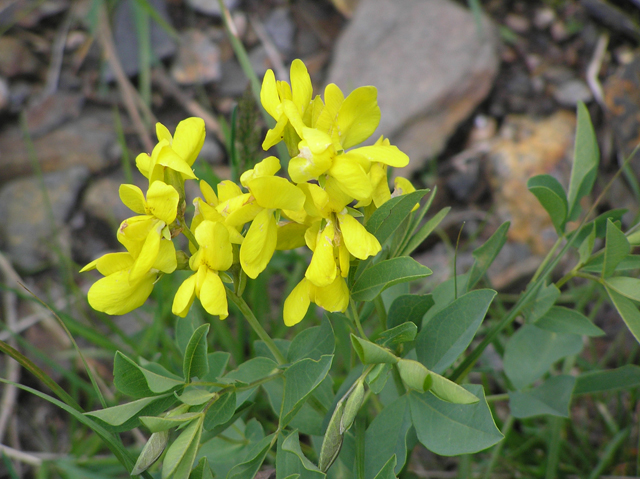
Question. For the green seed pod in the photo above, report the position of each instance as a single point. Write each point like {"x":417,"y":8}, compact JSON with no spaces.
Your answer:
{"x":352,"y":406}
{"x":415,"y":375}
{"x":332,"y":439}
{"x":151,"y":452}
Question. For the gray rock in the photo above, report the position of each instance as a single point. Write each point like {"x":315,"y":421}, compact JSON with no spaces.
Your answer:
{"x":211,"y":7}
{"x":571,"y":92}
{"x":33,"y":229}
{"x":102,"y":200}
{"x":84,"y":141}
{"x":430,"y":63}
{"x":234,"y":82}
{"x":280,"y":27}
{"x":198,"y":60}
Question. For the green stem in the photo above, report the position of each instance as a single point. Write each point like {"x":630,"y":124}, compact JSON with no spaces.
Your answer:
{"x":547,"y":259}
{"x":497,"y":397}
{"x":355,"y":317}
{"x":187,"y":232}
{"x":497,"y":449}
{"x":257,"y":327}
{"x":382,"y":312}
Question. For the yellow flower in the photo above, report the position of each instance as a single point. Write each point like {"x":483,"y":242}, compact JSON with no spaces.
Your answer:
{"x":289,"y":106}
{"x":143,"y":235}
{"x":116,"y":293}
{"x":333,"y":297}
{"x":215,"y":254}
{"x":176,"y":153}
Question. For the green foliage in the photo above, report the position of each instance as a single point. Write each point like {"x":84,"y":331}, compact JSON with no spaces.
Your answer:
{"x":384,"y":274}
{"x":552,"y":397}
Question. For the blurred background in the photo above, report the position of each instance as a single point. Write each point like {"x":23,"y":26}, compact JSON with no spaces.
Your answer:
{"x":481,"y":94}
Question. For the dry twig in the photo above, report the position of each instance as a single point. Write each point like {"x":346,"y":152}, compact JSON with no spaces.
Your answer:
{"x":594,"y":68}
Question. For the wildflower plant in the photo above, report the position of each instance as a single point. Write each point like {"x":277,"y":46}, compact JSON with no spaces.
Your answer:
{"x":384,"y":369}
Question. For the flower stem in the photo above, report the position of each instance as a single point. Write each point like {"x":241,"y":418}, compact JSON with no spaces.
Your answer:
{"x":255,"y":324}
{"x":187,"y":232}
{"x":356,"y":318}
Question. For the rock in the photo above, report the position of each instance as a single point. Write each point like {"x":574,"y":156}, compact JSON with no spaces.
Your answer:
{"x":101,"y":199}
{"x":281,"y":29}
{"x":517,"y":23}
{"x":430,"y":63}
{"x":571,"y":92}
{"x":85,"y":141}
{"x":126,"y":38}
{"x":234,"y":82}
{"x":211,"y":152}
{"x":16,"y":58}
{"x":28,"y":13}
{"x":198,"y":60}
{"x":53,"y":111}
{"x":32,"y":228}
{"x":526,"y":148}
{"x":211,"y":7}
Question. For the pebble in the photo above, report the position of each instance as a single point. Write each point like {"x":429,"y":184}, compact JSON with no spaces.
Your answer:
{"x":517,"y":23}
{"x":33,"y":229}
{"x":53,"y":111}
{"x":198,"y":60}
{"x":281,"y":29}
{"x":568,"y":94}
{"x":543,"y":18}
{"x":437,"y":68}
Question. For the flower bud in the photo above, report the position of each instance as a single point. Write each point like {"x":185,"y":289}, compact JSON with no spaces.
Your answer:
{"x":151,"y":452}
{"x":352,"y":406}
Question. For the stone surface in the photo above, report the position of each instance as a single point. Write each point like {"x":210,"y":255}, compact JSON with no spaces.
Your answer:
{"x":86,"y":141}
{"x":102,"y":201}
{"x":281,"y":29}
{"x":198,"y":60}
{"x":16,"y":58}
{"x":211,"y":7}
{"x":32,"y":228}
{"x":571,"y":92}
{"x":526,"y":148}
{"x":430,"y":63}
{"x":53,"y":111}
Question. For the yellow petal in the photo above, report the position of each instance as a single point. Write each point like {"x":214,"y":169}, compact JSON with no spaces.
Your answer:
{"x":213,"y":295}
{"x":188,"y":139}
{"x":184,"y":297}
{"x":301,"y":87}
{"x":316,"y":201}
{"x":322,"y":270}
{"x":358,"y":117}
{"x":213,"y":239}
{"x":276,"y":134}
{"x":404,"y":187}
{"x":227,"y":189}
{"x":344,"y":259}
{"x":132,"y":198}
{"x":267,"y":167}
{"x":314,"y":112}
{"x":293,"y":114}
{"x":170,"y":159}
{"x":143,"y":163}
{"x":297,"y":303}
{"x":240,"y":216}
{"x":311,"y":235}
{"x":166,"y":260}
{"x":259,"y":244}
{"x":275,"y":192}
{"x":114,"y":294}
{"x":387,"y":154}
{"x":163,"y":133}
{"x":148,"y":254}
{"x":333,"y":98}
{"x":334,"y":297}
{"x":114,"y":262}
{"x":357,"y":239}
{"x":351,"y":177}
{"x":269,"y":94}
{"x":317,"y":140}
{"x":291,"y":236}
{"x":162,"y":202}
{"x":381,"y":193}
{"x":208,"y":193}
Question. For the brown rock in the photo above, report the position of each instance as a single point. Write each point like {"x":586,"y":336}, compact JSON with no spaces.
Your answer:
{"x":527,"y":148}
{"x":86,"y":141}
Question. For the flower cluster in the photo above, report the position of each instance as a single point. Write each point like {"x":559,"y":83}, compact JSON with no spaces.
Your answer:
{"x":332,"y":181}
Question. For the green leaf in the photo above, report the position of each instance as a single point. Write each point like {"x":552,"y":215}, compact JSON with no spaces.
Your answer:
{"x":386,"y":436}
{"x":486,"y":254}
{"x":626,"y":377}
{"x":195,"y":361}
{"x":301,"y":378}
{"x":119,"y":415}
{"x":544,"y":299}
{"x":586,"y":247}
{"x":585,"y":162}
{"x":181,"y":454}
{"x":409,"y":307}
{"x":202,"y":470}
{"x":450,"y":331}
{"x":377,"y":378}
{"x":387,"y":471}
{"x":307,"y":419}
{"x":449,"y":391}
{"x":387,"y":273}
{"x":371,"y":353}
{"x":248,"y":468}
{"x":631,"y":262}
{"x":150,"y":452}
{"x":195,"y":396}
{"x":290,"y":459}
{"x":386,"y":219}
{"x":627,"y":310}
{"x":139,"y":382}
{"x":159,"y":424}
{"x":626,"y":286}
{"x":531,"y":351}
{"x":312,"y":343}
{"x":424,"y":231}
{"x":552,"y":397}
{"x":220,"y":411}
{"x":564,"y":320}
{"x":452,"y":429}
{"x":552,"y":197}
{"x":615,"y":250}
{"x":415,"y":375}
{"x":184,"y":330}
{"x":217,"y":364}
{"x":250,"y":371}
{"x":444,"y":294}
{"x":402,"y":333}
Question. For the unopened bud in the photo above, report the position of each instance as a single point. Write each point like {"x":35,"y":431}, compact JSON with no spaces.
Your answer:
{"x":332,"y":442}
{"x":352,"y":406}
{"x":151,"y":452}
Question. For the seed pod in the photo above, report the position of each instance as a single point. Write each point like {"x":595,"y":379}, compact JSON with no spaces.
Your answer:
{"x":151,"y":452}
{"x":352,"y":406}
{"x":332,"y":439}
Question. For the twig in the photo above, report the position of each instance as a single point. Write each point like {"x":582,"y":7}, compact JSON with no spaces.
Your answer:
{"x":57,"y":54}
{"x":21,"y":456}
{"x":594,"y":68}
{"x":9,"y":300}
{"x":270,"y":48}
{"x":161,"y":79}
{"x":126,"y":89}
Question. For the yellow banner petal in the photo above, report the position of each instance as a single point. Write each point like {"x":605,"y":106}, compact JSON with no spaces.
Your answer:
{"x":275,"y":192}
{"x":189,"y":138}
{"x":162,"y":202}
{"x":259,"y":244}
{"x":115,"y":295}
{"x":358,"y":117}
{"x":357,"y":239}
